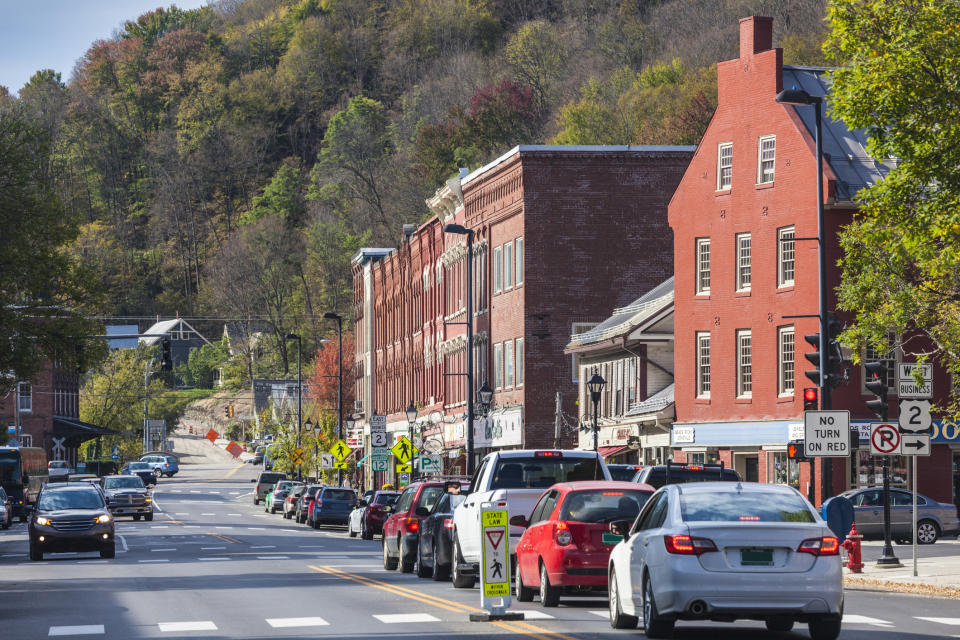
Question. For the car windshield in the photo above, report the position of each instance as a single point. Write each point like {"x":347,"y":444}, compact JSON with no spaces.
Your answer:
{"x":57,"y":464}
{"x":657,"y":477}
{"x":270,"y":478}
{"x":127,"y":482}
{"x":339,"y":494}
{"x":139,"y":466}
{"x":385,"y":498}
{"x":57,"y":500}
{"x":622,"y":473}
{"x":740,"y":506}
{"x":9,"y":467}
{"x":542,"y":472}
{"x":602,"y":505}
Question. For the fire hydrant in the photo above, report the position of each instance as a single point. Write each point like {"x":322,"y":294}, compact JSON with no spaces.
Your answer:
{"x":852,"y":545}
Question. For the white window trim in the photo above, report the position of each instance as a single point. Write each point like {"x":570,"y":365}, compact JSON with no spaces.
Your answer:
{"x":497,"y":269}
{"x":739,"y":256}
{"x":782,"y":390}
{"x":741,"y":392}
{"x":700,"y":243}
{"x":518,"y":373}
{"x":509,"y":364}
{"x":760,"y":142}
{"x":700,"y":337}
{"x":508,"y":265}
{"x":518,"y":259}
{"x":720,"y":147}
{"x":498,"y":366}
{"x":21,"y":396}
{"x":781,"y":278}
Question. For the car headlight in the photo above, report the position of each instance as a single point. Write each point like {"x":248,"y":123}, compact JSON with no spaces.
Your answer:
{"x":148,"y":499}
{"x":104,"y":518}
{"x":42,"y":521}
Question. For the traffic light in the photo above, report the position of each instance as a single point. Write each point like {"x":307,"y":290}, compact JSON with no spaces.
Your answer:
{"x":226,"y":411}
{"x":836,"y":364}
{"x":166,"y":359}
{"x":810,"y":399}
{"x":795,"y":451}
{"x":876,"y":383}
{"x":230,"y":410}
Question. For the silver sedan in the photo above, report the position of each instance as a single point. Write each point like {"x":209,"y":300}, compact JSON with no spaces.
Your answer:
{"x":722,"y":551}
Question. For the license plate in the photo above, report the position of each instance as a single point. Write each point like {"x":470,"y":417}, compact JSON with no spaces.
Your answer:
{"x":756,"y":557}
{"x":611,"y":538}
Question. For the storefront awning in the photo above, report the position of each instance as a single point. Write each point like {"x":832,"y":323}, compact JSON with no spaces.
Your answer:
{"x":73,"y":428}
{"x":609,"y":452}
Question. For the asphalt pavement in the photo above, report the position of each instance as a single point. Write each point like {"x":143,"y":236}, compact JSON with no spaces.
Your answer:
{"x":212,"y":565}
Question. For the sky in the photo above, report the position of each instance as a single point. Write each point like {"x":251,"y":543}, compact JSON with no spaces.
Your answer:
{"x":54,"y":34}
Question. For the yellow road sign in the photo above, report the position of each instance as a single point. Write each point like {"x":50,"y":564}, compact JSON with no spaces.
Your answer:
{"x":296,"y":458}
{"x":403,"y":450}
{"x":404,"y":468}
{"x":340,"y":450}
{"x":339,"y":465}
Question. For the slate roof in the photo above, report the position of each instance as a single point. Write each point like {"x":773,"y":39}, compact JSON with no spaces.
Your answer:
{"x":657,"y":402}
{"x":628,"y":317}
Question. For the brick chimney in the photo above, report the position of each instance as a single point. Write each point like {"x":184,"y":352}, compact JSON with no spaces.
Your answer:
{"x":756,"y":35}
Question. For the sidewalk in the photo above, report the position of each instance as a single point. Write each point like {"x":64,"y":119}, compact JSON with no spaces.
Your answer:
{"x":937,"y":576}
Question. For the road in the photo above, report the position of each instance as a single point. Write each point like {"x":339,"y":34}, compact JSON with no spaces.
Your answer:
{"x":212,"y":565}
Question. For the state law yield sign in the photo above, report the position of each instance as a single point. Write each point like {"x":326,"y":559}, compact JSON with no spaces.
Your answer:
{"x":826,"y":434}
{"x":495,"y":556}
{"x":885,"y":439}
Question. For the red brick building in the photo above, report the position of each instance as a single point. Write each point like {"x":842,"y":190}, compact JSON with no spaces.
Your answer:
{"x":562,"y":236}
{"x":743,"y":216}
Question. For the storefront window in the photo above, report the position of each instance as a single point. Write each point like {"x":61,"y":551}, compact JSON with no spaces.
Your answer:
{"x":782,"y":470}
{"x":869,"y":471}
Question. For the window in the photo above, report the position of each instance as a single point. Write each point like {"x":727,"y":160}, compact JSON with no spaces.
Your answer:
{"x":498,"y":365}
{"x":703,"y":364}
{"x":744,"y":364}
{"x":508,"y":265}
{"x":785,"y":360}
{"x":508,"y":363}
{"x":518,"y":250}
{"x":703,"y":265}
{"x":743,"y":262}
{"x":782,"y":470}
{"x":25,"y":397}
{"x":724,"y":166}
{"x":767,"y":150}
{"x":497,"y":264}
{"x":785,"y":257}
{"x":519,"y":350}
{"x":26,"y":440}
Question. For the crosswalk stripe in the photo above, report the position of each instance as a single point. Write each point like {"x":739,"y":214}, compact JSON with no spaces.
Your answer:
{"x":278,"y":623}
{"x":147,"y":561}
{"x":200,"y":625}
{"x":950,"y":621}
{"x":855,"y":619}
{"x":533,"y":614}
{"x":394,"y":618}
{"x":273,"y":557}
{"x":603,"y":613}
{"x":77,"y":630}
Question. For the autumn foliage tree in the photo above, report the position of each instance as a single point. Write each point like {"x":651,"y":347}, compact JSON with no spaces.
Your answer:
{"x":322,"y":384}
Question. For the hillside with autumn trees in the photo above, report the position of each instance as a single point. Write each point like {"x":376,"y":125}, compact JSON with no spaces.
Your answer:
{"x":227,"y":162}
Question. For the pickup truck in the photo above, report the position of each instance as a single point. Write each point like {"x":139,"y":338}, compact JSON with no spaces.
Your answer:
{"x":517,"y":478}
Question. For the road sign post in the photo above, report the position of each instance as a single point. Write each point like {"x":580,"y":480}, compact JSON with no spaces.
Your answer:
{"x":495,"y":564}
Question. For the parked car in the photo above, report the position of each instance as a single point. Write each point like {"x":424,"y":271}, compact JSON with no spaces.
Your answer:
{"x":163,"y":465}
{"x":519,"y":478}
{"x":6,"y":510}
{"x":305,"y":500}
{"x":70,"y":517}
{"x":435,"y":542}
{"x":142,"y":469}
{"x":276,"y":497}
{"x":290,"y":502}
{"x":58,"y":469}
{"x":265,"y":483}
{"x":567,"y":542}
{"x":367,"y":519}
{"x":256,"y":458}
{"x":623,"y":472}
{"x":672,"y":473}
{"x":402,"y":526}
{"x":934,"y":519}
{"x":332,"y":505}
{"x":723,"y":551}
{"x":127,"y":496}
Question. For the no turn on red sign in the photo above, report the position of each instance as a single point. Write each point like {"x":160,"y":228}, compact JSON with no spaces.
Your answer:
{"x":885,"y":439}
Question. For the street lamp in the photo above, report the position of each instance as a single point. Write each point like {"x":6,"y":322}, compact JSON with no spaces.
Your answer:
{"x":411,"y":419}
{"x":348,"y":423}
{"x":333,"y":316}
{"x":595,"y":385}
{"x":485,"y":398}
{"x":461,"y":230}
{"x":293,"y":336}
{"x":308,"y":426}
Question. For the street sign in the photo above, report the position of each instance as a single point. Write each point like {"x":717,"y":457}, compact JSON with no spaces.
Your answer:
{"x":378,"y":439}
{"x":405,"y":478}
{"x":379,"y":464}
{"x":378,"y":423}
{"x":340,"y":450}
{"x":907,"y":386}
{"x":296,"y":456}
{"x":327,"y":461}
{"x":915,"y":416}
{"x":212,"y":435}
{"x":826,"y":434}
{"x":340,"y":465}
{"x":915,"y":444}
{"x":884,"y":439}
{"x":430,"y":464}
{"x":403,"y":450}
{"x":495,"y":557}
{"x":404,"y":468}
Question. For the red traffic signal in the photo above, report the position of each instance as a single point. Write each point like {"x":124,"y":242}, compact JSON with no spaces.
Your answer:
{"x":810,"y":399}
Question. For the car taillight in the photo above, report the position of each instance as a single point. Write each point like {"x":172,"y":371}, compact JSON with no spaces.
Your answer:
{"x":373,"y":508}
{"x":825,"y":546}
{"x":548,"y":454}
{"x":448,"y":523}
{"x":413,"y":525}
{"x":562,"y":533}
{"x":688,"y":545}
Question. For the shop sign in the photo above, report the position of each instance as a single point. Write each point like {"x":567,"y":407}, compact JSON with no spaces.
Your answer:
{"x":453,"y":434}
{"x":684,"y":435}
{"x":501,"y":430}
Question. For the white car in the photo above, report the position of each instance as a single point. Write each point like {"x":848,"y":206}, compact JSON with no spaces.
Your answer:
{"x":722,"y":551}
{"x":58,"y":469}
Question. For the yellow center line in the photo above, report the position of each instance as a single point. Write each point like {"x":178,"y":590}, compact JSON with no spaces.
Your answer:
{"x":223,"y":537}
{"x":362,"y":580}
{"x":419,"y":594}
{"x":233,"y":471}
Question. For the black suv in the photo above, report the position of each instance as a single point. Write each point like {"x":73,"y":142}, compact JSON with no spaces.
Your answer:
{"x":71,"y":517}
{"x":672,"y":473}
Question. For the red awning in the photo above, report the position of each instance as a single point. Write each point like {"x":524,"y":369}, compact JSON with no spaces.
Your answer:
{"x":609,"y":452}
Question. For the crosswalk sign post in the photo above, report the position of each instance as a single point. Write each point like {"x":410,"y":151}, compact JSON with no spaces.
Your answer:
{"x":495,"y":564}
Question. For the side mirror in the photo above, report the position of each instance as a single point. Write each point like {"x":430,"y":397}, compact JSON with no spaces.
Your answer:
{"x":519,"y":521}
{"x":621,"y":528}
{"x":253,"y":479}
{"x":423,"y":512}
{"x":387,"y":508}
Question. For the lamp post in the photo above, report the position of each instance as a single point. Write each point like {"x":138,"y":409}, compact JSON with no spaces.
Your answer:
{"x":293,"y":336}
{"x":349,"y":424}
{"x":411,"y":419}
{"x":801,"y":97}
{"x":461,"y":230}
{"x":595,"y":385}
{"x":333,"y":316}
{"x":310,"y":428}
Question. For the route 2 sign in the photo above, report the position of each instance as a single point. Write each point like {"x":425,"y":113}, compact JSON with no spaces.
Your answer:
{"x":885,"y":439}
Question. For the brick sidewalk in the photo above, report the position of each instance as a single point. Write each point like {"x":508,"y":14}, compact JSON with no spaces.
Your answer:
{"x":938,"y":576}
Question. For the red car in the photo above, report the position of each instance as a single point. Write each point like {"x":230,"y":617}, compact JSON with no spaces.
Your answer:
{"x":401,"y":529}
{"x":567,"y":542}
{"x":373,"y":516}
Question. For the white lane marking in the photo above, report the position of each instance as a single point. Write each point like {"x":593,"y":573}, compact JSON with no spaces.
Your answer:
{"x":208,"y":514}
{"x":256,"y":528}
{"x":212,"y":559}
{"x":291,"y":530}
{"x":181,"y":513}
{"x":165,"y":549}
{"x":223,"y":527}
{"x":77,"y":630}
{"x":855,"y":619}
{"x":235,"y":515}
{"x":311,"y":546}
{"x":533,"y":614}
{"x":30,"y":564}
{"x":91,"y":562}
{"x":14,"y":555}
{"x":326,"y":557}
{"x":214,"y":492}
{"x":159,"y":560}
{"x":394,"y":618}
{"x":603,"y":614}
{"x":159,"y":526}
{"x":211,"y":548}
{"x":194,"y":492}
{"x":123,"y":541}
{"x":273,"y":557}
{"x":264,"y":546}
{"x":296,"y":622}
{"x":200,"y":625}
{"x":950,"y":621}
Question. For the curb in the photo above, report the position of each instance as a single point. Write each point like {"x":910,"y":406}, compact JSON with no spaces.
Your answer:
{"x":901,"y":587}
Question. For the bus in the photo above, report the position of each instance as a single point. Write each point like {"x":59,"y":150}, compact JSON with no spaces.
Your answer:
{"x":23,"y":470}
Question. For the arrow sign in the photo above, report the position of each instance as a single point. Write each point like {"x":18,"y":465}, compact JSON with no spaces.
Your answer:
{"x":495,"y":535}
{"x":916,"y":444}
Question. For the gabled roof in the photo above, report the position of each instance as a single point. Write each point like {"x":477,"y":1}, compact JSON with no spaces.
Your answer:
{"x":168,"y":327}
{"x":625,"y":319}
{"x":844,"y":149}
{"x":657,"y":402}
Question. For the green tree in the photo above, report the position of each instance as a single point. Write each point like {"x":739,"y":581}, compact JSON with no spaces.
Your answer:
{"x":283,"y":196}
{"x":901,"y":254}
{"x":537,"y":56}
{"x":203,"y":362}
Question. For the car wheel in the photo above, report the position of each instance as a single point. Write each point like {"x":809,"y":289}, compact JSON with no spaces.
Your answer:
{"x":549,"y":595}
{"x":654,"y":625}
{"x":256,"y":501}
{"x":157,"y":472}
{"x":524,"y":594}
{"x":927,"y":532}
{"x":350,"y":531}
{"x":779,"y":624}
{"x":405,"y":564}
{"x":109,"y":552}
{"x":460,"y":580}
{"x":148,"y":517}
{"x":421,"y":570}
{"x":35,"y":553}
{"x":315,"y":523}
{"x":136,"y":517}
{"x":365,"y":532}
{"x":6,"y":524}
{"x":825,"y":628}
{"x":618,"y":619}
{"x":389,"y":563}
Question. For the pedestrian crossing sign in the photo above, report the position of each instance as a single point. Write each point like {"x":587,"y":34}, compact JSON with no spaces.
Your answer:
{"x":403,"y":450}
{"x":404,"y":468}
{"x":340,"y":450}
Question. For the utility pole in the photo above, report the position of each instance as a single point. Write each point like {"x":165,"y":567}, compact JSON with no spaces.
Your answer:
{"x":556,"y":421}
